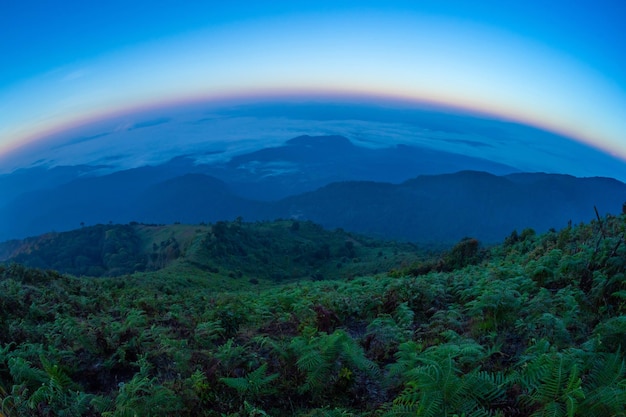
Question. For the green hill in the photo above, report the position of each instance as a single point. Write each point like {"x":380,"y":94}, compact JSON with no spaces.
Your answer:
{"x":532,"y":327}
{"x":102,"y":250}
{"x":259,"y":252}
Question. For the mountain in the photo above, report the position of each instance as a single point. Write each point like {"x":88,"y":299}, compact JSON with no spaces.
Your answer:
{"x":85,"y":200}
{"x":446,"y":208}
{"x":38,"y":178}
{"x":192,"y":198}
{"x":326,"y":179}
{"x":38,"y":200}
{"x":306,"y":163}
{"x":431,"y":209}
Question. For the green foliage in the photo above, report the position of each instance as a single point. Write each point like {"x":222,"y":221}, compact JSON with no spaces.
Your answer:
{"x":464,"y":253}
{"x":535,"y":328}
{"x":254,"y":384}
{"x":435,"y":384}
{"x":554,"y":385}
{"x":141,"y":396}
{"x":49,"y":390}
{"x":605,"y":387}
{"x":235,"y":253}
{"x":330,"y":362}
{"x":208,"y":332}
{"x":611,"y":333}
{"x":94,"y":251}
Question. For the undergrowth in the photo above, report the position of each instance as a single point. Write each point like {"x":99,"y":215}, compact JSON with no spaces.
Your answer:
{"x":532,"y":327}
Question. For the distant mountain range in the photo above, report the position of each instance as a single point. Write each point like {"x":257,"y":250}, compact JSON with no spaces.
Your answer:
{"x":400,"y":192}
{"x":306,"y":163}
{"x":446,"y":208}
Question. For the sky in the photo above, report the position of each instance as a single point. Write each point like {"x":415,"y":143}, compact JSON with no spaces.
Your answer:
{"x":558,"y":65}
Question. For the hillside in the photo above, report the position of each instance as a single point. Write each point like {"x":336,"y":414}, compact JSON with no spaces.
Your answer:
{"x":262,"y":252}
{"x":533,"y":327}
{"x":103,"y":250}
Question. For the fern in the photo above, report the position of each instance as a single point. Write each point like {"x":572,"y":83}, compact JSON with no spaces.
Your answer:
{"x":605,"y":387}
{"x":611,"y":333}
{"x":329,"y":412}
{"x":404,"y":316}
{"x":206,"y":333}
{"x":430,"y":406}
{"x":230,"y":356}
{"x":488,"y":388}
{"x":322,"y":358}
{"x":436,"y":389}
{"x":435,"y":384}
{"x":256,"y":383}
{"x":398,"y":410}
{"x":56,"y":391}
{"x":406,"y":359}
{"x":58,"y":380}
{"x":142,"y":396}
{"x":23,"y":373}
{"x":79,"y":404}
{"x":553,"y":384}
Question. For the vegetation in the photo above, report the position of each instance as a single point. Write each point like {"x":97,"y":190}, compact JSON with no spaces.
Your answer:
{"x":532,"y":327}
{"x":263,"y":251}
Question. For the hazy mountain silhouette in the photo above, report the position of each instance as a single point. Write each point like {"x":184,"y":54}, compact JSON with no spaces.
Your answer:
{"x":192,"y":198}
{"x":328,"y":180}
{"x":306,"y":163}
{"x":38,"y":178}
{"x":446,"y":208}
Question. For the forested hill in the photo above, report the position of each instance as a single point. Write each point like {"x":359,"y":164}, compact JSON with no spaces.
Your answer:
{"x":262,"y":251}
{"x":534,"y":327}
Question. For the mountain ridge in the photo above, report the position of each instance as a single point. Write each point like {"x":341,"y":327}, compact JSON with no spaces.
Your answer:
{"x":290,"y":180}
{"x":426,"y":209}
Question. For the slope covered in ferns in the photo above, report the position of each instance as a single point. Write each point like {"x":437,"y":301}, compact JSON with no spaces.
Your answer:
{"x":532,"y":327}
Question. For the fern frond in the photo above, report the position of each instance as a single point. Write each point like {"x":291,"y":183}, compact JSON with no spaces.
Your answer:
{"x":552,"y":384}
{"x":209,"y":331}
{"x":255,"y":383}
{"x":399,"y":410}
{"x":410,"y":396}
{"x":608,"y":369}
{"x":430,"y":406}
{"x":259,"y":382}
{"x":102,"y":404}
{"x":404,"y":316}
{"x":406,"y":358}
{"x":486,"y":387}
{"x":605,"y":402}
{"x":42,"y":395}
{"x":310,"y":361}
{"x":606,"y":387}
{"x":551,"y":409}
{"x":59,"y":381}
{"x":22,"y":372}
{"x":79,"y":403}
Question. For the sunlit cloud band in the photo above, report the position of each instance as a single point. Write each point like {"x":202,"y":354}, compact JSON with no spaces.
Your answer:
{"x":410,"y":57}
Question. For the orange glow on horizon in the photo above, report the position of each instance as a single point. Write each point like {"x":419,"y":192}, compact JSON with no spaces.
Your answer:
{"x":38,"y":135}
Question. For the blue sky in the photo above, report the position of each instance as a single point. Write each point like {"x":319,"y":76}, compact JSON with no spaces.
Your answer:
{"x":559,"y":65}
